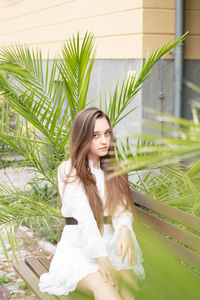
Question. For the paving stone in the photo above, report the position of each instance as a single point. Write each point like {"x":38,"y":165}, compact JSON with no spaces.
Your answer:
{"x":4,"y":293}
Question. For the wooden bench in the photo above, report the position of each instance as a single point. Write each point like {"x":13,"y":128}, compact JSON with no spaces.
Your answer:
{"x":155,"y":217}
{"x":176,"y":229}
{"x":30,"y":270}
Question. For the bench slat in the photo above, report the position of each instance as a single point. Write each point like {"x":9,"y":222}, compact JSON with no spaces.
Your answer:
{"x":44,"y":261}
{"x":76,"y":294}
{"x":31,"y":279}
{"x":170,"y":229}
{"x":181,"y":252}
{"x":35,"y":265}
{"x":166,"y":210}
{"x":37,"y":268}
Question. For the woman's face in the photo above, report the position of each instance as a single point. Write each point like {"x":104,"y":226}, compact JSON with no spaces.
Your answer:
{"x":101,"y":139}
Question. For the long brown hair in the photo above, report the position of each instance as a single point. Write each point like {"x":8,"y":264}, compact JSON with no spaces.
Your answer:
{"x":117,"y":189}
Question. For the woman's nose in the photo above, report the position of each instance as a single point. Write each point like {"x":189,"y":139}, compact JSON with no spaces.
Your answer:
{"x":103,"y":139}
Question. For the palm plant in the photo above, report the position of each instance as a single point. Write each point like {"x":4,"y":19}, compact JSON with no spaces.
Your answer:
{"x":167,"y":165}
{"x":168,"y":169}
{"x":42,"y":130}
{"x":46,"y":101}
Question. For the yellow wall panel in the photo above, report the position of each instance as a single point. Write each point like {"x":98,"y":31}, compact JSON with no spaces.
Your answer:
{"x":192,"y":46}
{"x":108,"y":48}
{"x":158,"y":21}
{"x":49,"y":23}
{"x":18,"y":9}
{"x":192,"y":22}
{"x":120,"y":47}
{"x":152,"y":42}
{"x":54,"y":25}
{"x":5,"y":3}
{"x":31,"y":12}
{"x":107,"y":24}
{"x":192,"y":4}
{"x":170,"y":4}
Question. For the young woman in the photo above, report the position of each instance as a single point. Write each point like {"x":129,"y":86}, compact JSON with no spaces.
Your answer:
{"x":98,"y":244}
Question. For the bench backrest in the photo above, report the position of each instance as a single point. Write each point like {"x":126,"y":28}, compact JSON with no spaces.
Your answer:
{"x":164,"y":222}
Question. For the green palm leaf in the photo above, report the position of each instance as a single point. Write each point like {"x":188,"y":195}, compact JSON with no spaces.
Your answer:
{"x":75,"y":66}
{"x":46,"y":100}
{"x":117,"y":102}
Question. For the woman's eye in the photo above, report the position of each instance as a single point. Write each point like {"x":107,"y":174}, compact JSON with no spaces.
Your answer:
{"x":95,"y":135}
{"x":107,"y":133}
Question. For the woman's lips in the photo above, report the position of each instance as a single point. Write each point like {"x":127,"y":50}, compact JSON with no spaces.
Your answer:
{"x":104,"y":148}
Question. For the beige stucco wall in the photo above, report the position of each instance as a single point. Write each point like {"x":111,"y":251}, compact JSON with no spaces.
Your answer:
{"x":123,"y":28}
{"x":117,"y":25}
{"x":159,"y":25}
{"x":192,"y":24}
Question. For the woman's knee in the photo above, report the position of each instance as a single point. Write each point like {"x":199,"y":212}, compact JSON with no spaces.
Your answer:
{"x":94,"y":283}
{"x":91,"y":283}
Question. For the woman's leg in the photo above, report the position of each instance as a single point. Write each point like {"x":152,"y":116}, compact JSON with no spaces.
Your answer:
{"x":131,"y":278}
{"x":94,"y":284}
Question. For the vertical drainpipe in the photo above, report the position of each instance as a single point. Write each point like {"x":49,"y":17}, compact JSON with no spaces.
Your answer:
{"x":179,"y":58}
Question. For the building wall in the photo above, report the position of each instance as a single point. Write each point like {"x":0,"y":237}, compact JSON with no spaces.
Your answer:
{"x":192,"y":24}
{"x":117,"y":25}
{"x":158,"y":92}
{"x":125,"y":31}
{"x":158,"y":24}
{"x":192,"y":55}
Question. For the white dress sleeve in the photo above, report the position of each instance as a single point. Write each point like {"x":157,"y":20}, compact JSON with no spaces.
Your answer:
{"x":121,"y":218}
{"x":125,"y":217}
{"x":75,"y":204}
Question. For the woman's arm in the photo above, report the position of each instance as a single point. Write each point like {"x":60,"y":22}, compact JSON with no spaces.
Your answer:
{"x":122,"y":218}
{"x":125,"y":246}
{"x":108,"y":271}
{"x":122,"y":221}
{"x":75,"y":204}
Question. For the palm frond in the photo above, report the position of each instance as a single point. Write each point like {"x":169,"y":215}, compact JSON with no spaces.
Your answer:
{"x":76,"y":66}
{"x":16,"y":204}
{"x":117,"y":102}
{"x":182,"y":141}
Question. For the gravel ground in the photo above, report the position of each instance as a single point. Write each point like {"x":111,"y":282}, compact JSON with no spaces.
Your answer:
{"x":28,"y":246}
{"x":17,"y":176}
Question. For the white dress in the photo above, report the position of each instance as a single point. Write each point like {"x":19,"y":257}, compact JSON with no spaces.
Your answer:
{"x":80,"y":244}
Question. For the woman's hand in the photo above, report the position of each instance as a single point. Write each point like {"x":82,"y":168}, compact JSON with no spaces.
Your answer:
{"x":108,"y":271}
{"x":125,"y":245}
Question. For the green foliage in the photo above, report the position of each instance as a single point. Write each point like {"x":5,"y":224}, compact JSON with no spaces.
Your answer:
{"x":4,"y":279}
{"x":165,"y":277}
{"x":45,"y":192}
{"x":167,"y":165}
{"x":183,"y":143}
{"x":46,"y":100}
{"x":119,"y":100}
{"x":174,"y":186}
{"x":17,"y":205}
{"x":41,"y":136}
{"x":76,"y":71}
{"x":22,"y":285}
{"x":47,"y":228}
